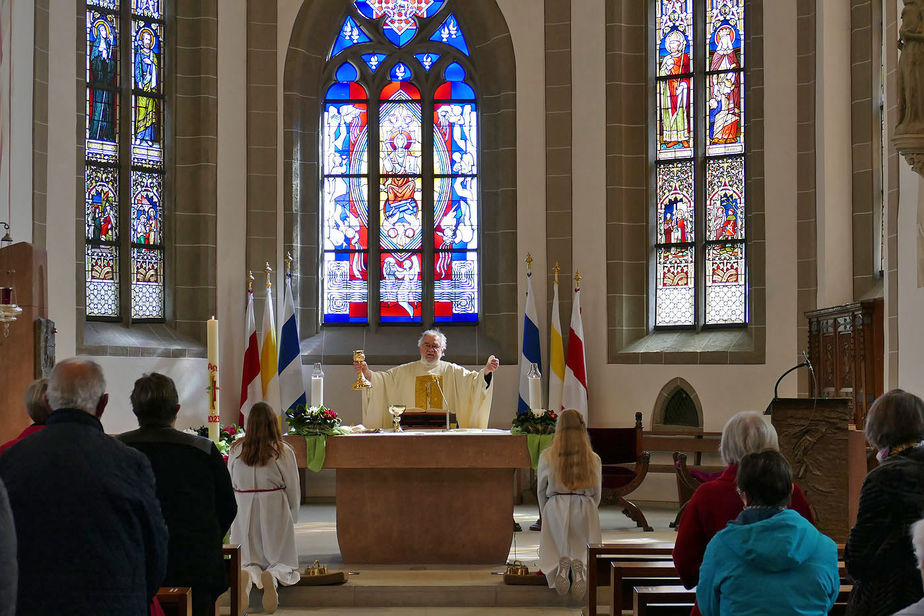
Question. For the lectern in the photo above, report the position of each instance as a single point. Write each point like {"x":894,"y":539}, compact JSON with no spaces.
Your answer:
{"x":828,"y":457}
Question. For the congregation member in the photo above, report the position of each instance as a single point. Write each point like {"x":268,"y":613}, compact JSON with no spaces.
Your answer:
{"x":467,"y":393}
{"x":194,"y":489}
{"x":768,"y":561}
{"x":91,"y":540}
{"x":36,"y":407}
{"x":716,"y":502}
{"x":917,"y":541}
{"x":879,"y":555}
{"x":264,"y":474}
{"x":7,"y":556}
{"x":569,"y":480}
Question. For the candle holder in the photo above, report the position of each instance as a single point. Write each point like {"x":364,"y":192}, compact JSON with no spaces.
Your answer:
{"x":361,"y":381}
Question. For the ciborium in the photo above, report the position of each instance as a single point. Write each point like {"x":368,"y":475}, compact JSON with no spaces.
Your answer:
{"x":361,"y":381}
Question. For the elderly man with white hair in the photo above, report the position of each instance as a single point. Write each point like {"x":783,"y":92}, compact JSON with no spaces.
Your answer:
{"x":917,"y":540}
{"x":91,"y":538}
{"x":430,"y":384}
{"x":717,"y":502}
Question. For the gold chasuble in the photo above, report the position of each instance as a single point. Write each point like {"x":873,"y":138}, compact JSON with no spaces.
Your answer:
{"x":413,"y":385}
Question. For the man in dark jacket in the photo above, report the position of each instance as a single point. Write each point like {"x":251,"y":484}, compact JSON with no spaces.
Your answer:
{"x":194,"y":489}
{"x":90,"y":536}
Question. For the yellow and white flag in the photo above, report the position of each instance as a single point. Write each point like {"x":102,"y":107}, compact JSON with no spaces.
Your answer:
{"x":556,"y":352}
{"x":269,"y":359}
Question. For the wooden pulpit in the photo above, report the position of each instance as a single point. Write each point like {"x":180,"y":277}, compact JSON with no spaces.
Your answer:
{"x":22,"y":267}
{"x":827,"y":455}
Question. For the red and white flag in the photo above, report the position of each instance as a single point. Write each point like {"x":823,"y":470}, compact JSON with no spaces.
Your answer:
{"x":574,"y":390}
{"x":251,"y":387}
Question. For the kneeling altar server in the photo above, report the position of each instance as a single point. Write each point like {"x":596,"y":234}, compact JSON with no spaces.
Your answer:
{"x":467,"y":393}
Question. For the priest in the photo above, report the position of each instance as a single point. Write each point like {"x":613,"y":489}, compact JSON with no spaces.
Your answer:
{"x":430,"y":384}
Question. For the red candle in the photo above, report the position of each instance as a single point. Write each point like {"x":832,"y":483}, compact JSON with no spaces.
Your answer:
{"x":6,"y":295}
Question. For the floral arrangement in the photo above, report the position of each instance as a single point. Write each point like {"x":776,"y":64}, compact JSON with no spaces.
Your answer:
{"x":226,"y":436}
{"x":312,"y":420}
{"x":536,"y":421}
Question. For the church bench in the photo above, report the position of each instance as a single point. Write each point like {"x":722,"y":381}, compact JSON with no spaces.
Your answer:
{"x":624,"y":575}
{"x":232,"y":554}
{"x":662,"y":600}
{"x":600,"y":555}
{"x":175,"y":600}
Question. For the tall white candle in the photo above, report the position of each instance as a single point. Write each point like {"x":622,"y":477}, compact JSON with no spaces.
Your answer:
{"x":214,"y":418}
{"x":535,"y":393}
{"x":317,"y":390}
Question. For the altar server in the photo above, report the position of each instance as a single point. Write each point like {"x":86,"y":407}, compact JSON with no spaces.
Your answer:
{"x":569,"y":490}
{"x":265,"y":479}
{"x":467,"y":393}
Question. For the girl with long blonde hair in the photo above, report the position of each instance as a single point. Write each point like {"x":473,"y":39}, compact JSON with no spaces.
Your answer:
{"x":569,"y":490}
{"x":264,"y":475}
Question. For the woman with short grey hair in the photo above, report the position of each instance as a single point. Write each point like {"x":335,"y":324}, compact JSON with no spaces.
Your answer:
{"x":716,"y":502}
{"x":879,"y":554}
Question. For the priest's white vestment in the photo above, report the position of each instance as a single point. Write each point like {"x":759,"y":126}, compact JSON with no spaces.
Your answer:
{"x":466,"y":392}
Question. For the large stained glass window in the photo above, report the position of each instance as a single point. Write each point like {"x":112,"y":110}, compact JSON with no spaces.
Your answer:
{"x":124,"y":172}
{"x":399,"y":231}
{"x":699,"y":254}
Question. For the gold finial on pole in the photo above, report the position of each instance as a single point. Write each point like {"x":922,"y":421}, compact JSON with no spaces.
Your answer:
{"x":577,"y":278}
{"x":250,"y":282}
{"x":556,"y":269}
{"x":288,"y":263}
{"x":269,"y":272}
{"x":529,"y":261}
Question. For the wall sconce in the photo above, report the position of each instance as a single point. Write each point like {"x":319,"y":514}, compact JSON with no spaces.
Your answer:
{"x":9,"y":311}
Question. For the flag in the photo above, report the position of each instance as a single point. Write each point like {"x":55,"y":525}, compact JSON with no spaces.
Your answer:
{"x":269,"y":362}
{"x":251,"y":390}
{"x":556,"y":354}
{"x":291,"y":381}
{"x":574,"y":391}
{"x":531,"y":354}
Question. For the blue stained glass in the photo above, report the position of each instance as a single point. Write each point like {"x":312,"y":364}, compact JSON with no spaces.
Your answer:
{"x":401,"y":72}
{"x":102,"y":209}
{"x":400,"y":288}
{"x":345,"y":287}
{"x":344,"y":91}
{"x":455,"y":134}
{"x":106,"y":4}
{"x":455,"y":287}
{"x":427,"y":60}
{"x":147,"y":56}
{"x":454,"y":90}
{"x":148,"y":8}
{"x":454,"y":72}
{"x":455,"y":213}
{"x":102,"y":49}
{"x":350,"y":34}
{"x":345,"y":139}
{"x":372,"y":60}
{"x":147,"y":213}
{"x":347,"y":72}
{"x":450,"y":33}
{"x":399,"y":24}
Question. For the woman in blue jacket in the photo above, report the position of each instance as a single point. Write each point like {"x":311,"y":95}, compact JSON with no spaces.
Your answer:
{"x":769,"y":560}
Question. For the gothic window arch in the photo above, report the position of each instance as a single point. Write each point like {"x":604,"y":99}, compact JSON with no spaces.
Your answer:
{"x":699,"y":150}
{"x":399,"y":158}
{"x":125,"y":168}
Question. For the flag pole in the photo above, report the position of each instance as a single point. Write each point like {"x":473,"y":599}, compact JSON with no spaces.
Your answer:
{"x":250,"y":281}
{"x":556,"y":269}
{"x":269,"y":272}
{"x":288,"y":263}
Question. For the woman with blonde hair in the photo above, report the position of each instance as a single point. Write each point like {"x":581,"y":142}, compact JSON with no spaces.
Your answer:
{"x":265,"y":479}
{"x":569,"y":492}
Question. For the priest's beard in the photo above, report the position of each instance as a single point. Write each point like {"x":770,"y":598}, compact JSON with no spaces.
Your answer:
{"x":429,"y":364}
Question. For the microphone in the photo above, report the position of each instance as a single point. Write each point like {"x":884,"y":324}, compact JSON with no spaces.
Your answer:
{"x":436,"y":381}
{"x":808,"y":363}
{"x":804,"y":364}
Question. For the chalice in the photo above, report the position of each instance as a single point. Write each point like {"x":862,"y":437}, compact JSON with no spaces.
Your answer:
{"x":396,"y":410}
{"x":361,"y":381}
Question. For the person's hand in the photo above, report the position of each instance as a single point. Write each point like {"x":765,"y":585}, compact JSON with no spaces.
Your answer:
{"x":362,"y":368}
{"x":491,"y":365}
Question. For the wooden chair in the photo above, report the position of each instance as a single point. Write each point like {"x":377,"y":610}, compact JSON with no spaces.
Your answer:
{"x":601,"y":555}
{"x":618,"y":446}
{"x":175,"y":601}
{"x":662,"y":601}
{"x":232,"y":554}
{"x":687,"y":482}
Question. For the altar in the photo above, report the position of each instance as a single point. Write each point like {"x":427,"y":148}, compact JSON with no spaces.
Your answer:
{"x":424,"y":497}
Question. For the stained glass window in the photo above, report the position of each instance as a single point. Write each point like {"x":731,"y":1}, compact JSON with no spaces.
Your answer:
{"x":699,"y":253}
{"x":124,"y":152}
{"x":418,"y":179}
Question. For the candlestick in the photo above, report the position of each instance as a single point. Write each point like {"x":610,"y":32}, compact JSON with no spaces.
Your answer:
{"x":534,"y":379}
{"x":214,"y":418}
{"x":317,"y":385}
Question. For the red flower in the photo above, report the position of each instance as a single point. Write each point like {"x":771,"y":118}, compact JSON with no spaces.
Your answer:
{"x":231,"y":430}
{"x":553,"y":415}
{"x":225,"y":458}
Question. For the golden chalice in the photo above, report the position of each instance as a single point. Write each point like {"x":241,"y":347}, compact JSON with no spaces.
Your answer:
{"x":361,"y":381}
{"x":396,"y":410}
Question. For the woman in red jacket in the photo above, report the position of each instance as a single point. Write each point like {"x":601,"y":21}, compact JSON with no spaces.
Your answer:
{"x":717,"y":502}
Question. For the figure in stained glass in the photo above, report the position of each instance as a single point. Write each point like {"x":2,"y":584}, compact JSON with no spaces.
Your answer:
{"x":146,"y":80}
{"x":676,"y":96}
{"x":405,"y":274}
{"x":401,"y":210}
{"x":727,"y":214}
{"x":147,"y":220}
{"x":102,"y":214}
{"x":103,"y":52}
{"x":724,"y":112}
{"x":725,"y":55}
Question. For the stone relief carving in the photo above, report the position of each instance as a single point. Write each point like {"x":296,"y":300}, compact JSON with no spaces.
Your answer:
{"x":909,"y":130}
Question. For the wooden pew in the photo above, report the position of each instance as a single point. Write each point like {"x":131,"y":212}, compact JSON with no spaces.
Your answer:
{"x":624,"y":575}
{"x":232,"y":554}
{"x":662,"y":601}
{"x":175,"y":600}
{"x":600,"y":555}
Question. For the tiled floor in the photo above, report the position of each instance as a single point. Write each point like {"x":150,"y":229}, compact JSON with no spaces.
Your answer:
{"x":316,"y":539}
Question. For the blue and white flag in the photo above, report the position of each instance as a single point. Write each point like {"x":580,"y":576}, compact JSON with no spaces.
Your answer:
{"x":291,"y":381}
{"x":531,"y":354}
